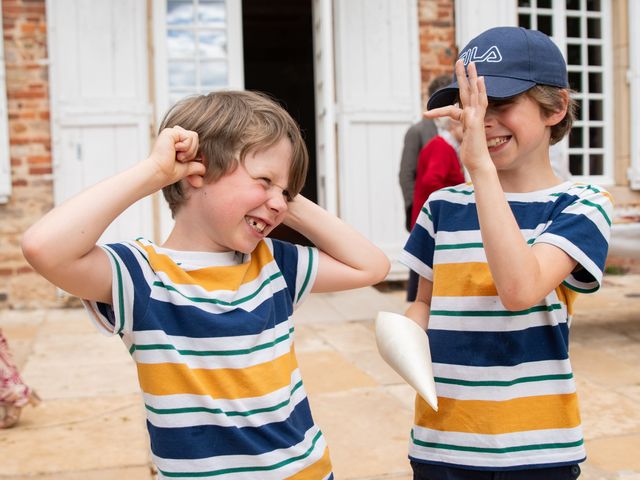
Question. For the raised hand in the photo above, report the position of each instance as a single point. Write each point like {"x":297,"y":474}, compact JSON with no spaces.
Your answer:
{"x":470,"y":111}
{"x":174,"y":155}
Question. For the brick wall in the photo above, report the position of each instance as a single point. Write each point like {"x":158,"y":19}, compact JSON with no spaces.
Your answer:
{"x":437,"y":40}
{"x":25,"y":46}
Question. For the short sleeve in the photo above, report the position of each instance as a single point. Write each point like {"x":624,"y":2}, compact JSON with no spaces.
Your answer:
{"x":582,"y":229}
{"x":299,"y":266}
{"x":417,"y":253}
{"x":130,"y":291}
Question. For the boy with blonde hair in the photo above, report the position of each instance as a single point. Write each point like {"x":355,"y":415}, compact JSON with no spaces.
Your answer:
{"x":501,"y":260}
{"x":206,"y":315}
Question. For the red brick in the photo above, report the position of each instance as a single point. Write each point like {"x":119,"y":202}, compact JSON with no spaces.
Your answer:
{"x":40,"y":170}
{"x":39,"y":160}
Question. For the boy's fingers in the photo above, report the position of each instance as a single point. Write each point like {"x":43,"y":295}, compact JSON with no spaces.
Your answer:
{"x":473,"y":79}
{"x":463,"y":82}
{"x":184,"y":138}
{"x":482,"y":90}
{"x":451,"y":111}
{"x":195,"y":168}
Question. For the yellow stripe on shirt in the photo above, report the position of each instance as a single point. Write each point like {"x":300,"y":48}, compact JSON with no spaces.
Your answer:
{"x":211,"y":278}
{"x":567,"y":296}
{"x":231,"y":383}
{"x":493,"y":417}
{"x":471,"y":279}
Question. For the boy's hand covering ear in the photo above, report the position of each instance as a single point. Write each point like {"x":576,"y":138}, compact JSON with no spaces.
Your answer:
{"x":174,"y":155}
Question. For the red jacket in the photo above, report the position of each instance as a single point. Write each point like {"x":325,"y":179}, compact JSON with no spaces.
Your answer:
{"x":438,"y":167}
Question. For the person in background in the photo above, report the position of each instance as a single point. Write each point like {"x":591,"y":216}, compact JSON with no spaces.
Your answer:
{"x":15,"y":394}
{"x":438,"y":167}
{"x":416,"y":137}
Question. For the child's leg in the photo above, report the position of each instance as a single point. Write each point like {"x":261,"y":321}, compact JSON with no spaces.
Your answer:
{"x":14,"y":393}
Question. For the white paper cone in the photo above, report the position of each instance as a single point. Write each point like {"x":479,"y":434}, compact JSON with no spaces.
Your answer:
{"x":405,"y":347}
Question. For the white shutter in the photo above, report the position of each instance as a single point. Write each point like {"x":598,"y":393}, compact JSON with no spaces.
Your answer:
{"x":378,"y":98}
{"x":5,"y":162}
{"x":323,"y":62}
{"x":99,"y":99}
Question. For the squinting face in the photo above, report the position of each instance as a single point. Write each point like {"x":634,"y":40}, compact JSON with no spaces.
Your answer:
{"x":245,"y":205}
{"x":517,"y":133}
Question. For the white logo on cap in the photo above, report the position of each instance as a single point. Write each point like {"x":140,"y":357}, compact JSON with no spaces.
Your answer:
{"x":492,"y":55}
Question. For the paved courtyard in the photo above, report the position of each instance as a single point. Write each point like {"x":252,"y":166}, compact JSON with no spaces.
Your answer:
{"x":90,"y":425}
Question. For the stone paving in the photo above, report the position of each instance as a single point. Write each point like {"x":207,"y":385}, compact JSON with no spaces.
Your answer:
{"x":90,"y":425}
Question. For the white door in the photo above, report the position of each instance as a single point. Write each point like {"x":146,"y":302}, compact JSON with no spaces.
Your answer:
{"x":99,"y":99}
{"x":378,"y":98}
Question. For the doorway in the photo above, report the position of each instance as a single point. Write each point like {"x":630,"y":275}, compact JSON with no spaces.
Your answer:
{"x":278,"y":60}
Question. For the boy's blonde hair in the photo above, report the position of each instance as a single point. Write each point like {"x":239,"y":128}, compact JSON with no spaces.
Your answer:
{"x":230,"y":124}
{"x":551,"y":100}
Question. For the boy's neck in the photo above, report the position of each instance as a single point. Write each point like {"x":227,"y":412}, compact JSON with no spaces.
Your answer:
{"x":187,"y":236}
{"x":528,"y":178}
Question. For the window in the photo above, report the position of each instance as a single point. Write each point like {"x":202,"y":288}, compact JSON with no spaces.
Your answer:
{"x":198,"y":48}
{"x":5,"y":163}
{"x":580,"y":29}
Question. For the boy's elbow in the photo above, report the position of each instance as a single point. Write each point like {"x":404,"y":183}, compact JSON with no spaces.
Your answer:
{"x":33,"y":249}
{"x":29,"y":246}
{"x":381,"y":271}
{"x":515,"y":301}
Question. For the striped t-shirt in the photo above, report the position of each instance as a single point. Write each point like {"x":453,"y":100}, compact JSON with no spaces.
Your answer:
{"x":506,"y":392}
{"x":212,"y":338}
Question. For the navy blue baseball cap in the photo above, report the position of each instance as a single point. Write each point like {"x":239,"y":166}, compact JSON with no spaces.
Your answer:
{"x":512,"y":60}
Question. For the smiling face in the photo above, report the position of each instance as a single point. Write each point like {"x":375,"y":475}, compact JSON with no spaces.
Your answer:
{"x":518,"y":133}
{"x":241,"y":208}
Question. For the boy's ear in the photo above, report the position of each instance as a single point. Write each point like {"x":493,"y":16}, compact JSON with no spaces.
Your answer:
{"x":556,"y":117}
{"x":196,"y":181}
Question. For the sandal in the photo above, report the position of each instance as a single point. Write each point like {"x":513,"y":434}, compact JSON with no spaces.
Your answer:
{"x":10,"y":414}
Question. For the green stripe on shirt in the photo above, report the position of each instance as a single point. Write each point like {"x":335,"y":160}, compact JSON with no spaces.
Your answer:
{"x":216,"y":301}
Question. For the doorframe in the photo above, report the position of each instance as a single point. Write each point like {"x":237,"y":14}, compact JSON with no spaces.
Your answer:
{"x":325,"y":101}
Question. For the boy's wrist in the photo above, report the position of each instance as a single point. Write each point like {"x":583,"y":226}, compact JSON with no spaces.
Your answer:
{"x":296,"y":211}
{"x":148,"y":174}
{"x":479,"y":172}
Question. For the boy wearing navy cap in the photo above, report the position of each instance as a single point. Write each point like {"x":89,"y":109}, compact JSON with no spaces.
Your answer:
{"x":501,"y":261}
